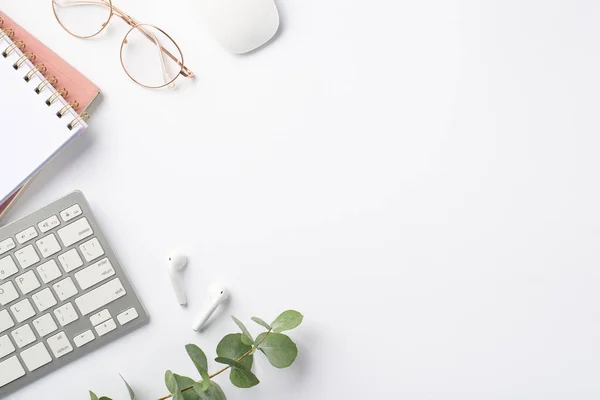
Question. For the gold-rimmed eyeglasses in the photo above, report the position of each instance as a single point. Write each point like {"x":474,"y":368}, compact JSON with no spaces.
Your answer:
{"x":149,"y":56}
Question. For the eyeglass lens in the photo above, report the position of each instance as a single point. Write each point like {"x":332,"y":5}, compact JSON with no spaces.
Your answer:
{"x":83,"y":18}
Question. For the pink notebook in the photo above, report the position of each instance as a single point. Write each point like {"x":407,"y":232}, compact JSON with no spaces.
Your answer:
{"x":82,"y":91}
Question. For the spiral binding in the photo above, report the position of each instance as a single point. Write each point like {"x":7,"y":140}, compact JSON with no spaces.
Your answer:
{"x":48,"y":81}
{"x":7,"y":32}
{"x":27,"y":56}
{"x":40,"y":68}
{"x":83,"y":117}
{"x":74,"y":105}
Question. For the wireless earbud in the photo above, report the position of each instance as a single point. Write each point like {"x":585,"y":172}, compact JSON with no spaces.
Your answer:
{"x":176,"y":263}
{"x":217,"y":294}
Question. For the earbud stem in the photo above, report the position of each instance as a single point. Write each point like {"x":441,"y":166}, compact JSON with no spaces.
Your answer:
{"x":181,"y":298}
{"x":204,"y":317}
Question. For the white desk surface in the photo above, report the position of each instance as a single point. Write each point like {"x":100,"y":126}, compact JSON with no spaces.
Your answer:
{"x":418,"y":178}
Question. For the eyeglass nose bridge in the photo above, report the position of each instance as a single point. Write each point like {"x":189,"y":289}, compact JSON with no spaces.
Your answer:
{"x":129,"y":20}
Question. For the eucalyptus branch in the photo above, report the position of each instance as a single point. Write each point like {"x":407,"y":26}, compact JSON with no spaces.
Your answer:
{"x":227,"y":367}
{"x":278,"y":348}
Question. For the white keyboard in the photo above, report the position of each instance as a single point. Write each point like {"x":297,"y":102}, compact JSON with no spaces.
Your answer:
{"x":62,"y":292}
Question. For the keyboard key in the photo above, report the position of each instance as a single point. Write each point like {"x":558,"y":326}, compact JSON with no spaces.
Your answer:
{"x":65,"y":289}
{"x":106,"y":327}
{"x":49,"y":224}
{"x":48,"y":246}
{"x":6,"y":346}
{"x":27,"y":257}
{"x":36,"y":357}
{"x":127,"y":316}
{"x":44,"y":300}
{"x":70,"y":213}
{"x":45,"y":325}
{"x":60,"y":345}
{"x":23,"y":336}
{"x":10,"y":370}
{"x":95,"y":273}
{"x":100,"y":296}
{"x":8,"y":293}
{"x":26,"y":235}
{"x":100,"y":317}
{"x":91,"y":250}
{"x":84,"y":338}
{"x":7,"y":267}
{"x":27,"y":282}
{"x":22,"y":310}
{"x":6,"y":321}
{"x":7,"y":245}
{"x":49,"y":271}
{"x":66,"y":314}
{"x":75,"y":232}
{"x":70,"y":260}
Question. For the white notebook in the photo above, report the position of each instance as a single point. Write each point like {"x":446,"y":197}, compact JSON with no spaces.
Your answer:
{"x":31,"y":132}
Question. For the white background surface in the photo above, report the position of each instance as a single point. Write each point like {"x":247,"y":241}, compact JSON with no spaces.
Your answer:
{"x":418,"y":178}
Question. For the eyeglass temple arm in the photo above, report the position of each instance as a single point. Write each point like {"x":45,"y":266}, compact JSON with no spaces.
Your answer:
{"x":161,"y":57}
{"x":161,"y":51}
{"x":185,"y":71}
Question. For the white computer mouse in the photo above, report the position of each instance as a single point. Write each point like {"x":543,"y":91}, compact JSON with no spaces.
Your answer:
{"x":241,"y":26}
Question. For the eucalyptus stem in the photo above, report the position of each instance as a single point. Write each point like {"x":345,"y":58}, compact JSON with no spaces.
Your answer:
{"x":226,"y":368}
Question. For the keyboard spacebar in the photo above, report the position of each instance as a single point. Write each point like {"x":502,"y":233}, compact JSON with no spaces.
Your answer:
{"x":10,"y":370}
{"x":100,"y":296}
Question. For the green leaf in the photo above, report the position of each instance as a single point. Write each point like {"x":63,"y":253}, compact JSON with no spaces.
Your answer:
{"x":176,"y":383}
{"x":214,"y":392}
{"x":246,"y":336}
{"x":94,"y":397}
{"x":171,"y":383}
{"x":184,"y":382}
{"x":199,"y":359}
{"x":287,"y":320}
{"x":129,"y":389}
{"x":231,"y":346}
{"x":240,"y":376}
{"x":279,"y":349}
{"x":197,"y":356}
{"x":229,"y":361}
{"x":261,"y":322}
{"x":247,"y":340}
{"x":205,"y":382}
